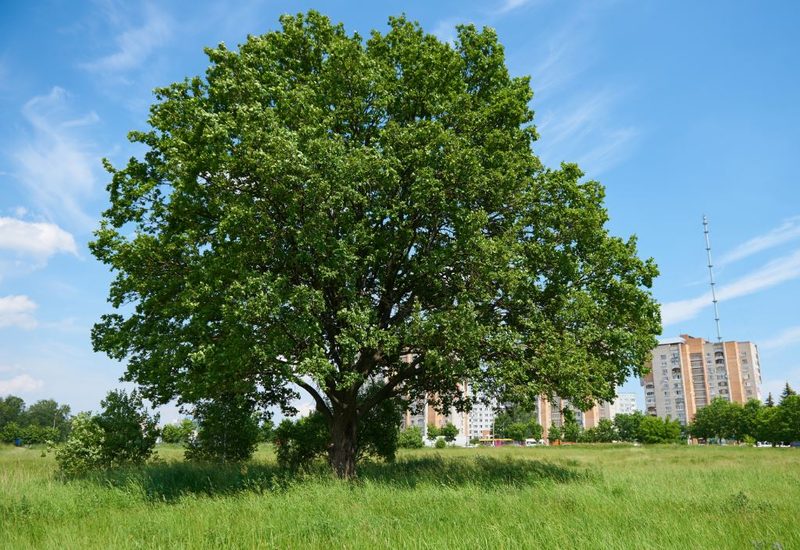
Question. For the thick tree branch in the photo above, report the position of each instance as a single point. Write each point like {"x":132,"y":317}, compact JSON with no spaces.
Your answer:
{"x":388,"y":390}
{"x":322,"y":406}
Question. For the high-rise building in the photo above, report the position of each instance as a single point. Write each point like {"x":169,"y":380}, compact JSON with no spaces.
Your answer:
{"x":624,"y":403}
{"x":686,"y":373}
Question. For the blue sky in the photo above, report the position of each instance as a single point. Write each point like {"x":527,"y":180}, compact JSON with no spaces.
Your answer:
{"x":680,"y":108}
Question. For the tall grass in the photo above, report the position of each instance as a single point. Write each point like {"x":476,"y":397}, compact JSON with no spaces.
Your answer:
{"x":575,"y":497}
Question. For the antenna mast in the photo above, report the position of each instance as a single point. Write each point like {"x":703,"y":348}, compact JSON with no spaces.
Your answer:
{"x":711,"y":277}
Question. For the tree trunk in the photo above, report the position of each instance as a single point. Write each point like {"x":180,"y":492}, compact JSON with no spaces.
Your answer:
{"x":344,"y":444}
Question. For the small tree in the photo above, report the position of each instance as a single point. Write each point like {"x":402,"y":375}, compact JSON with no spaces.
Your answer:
{"x":767,"y":424}
{"x":516,"y":431}
{"x":227,"y":430}
{"x":554,"y":433}
{"x":605,"y":432}
{"x":787,"y":392}
{"x":83,"y":450}
{"x":787,"y":422}
{"x":47,"y":413}
{"x":770,"y":402}
{"x":449,"y":432}
{"x":433,"y":432}
{"x":653,"y":429}
{"x":179,"y":434}
{"x":12,"y":409}
{"x":571,"y":432}
{"x":129,"y":432}
{"x":748,"y":419}
{"x":11,"y":432}
{"x":627,"y":426}
{"x":410,"y":438}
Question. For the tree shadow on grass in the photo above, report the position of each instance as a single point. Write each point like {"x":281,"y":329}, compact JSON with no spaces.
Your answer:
{"x":479,"y":470}
{"x":169,"y":481}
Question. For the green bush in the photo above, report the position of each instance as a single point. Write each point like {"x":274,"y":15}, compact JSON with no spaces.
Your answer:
{"x":129,"y":432}
{"x":123,"y":433}
{"x":410,"y":438}
{"x":449,"y":432}
{"x":440,"y":444}
{"x":40,"y":434}
{"x":10,"y":432}
{"x":227,"y":430}
{"x":299,"y":443}
{"x":178,"y":433}
{"x":83,"y":450}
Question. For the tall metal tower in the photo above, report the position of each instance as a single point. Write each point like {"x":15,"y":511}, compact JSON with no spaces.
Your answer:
{"x":711,"y":277}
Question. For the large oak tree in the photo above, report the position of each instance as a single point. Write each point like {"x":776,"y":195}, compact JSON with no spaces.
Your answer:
{"x":363,"y":219}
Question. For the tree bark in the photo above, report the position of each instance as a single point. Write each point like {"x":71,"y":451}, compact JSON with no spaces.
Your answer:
{"x":344,"y":443}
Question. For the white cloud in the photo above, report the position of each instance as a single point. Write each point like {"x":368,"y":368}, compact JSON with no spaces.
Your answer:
{"x":773,"y":273}
{"x":787,"y":338}
{"x":445,"y":30}
{"x":788,"y":231}
{"x":55,"y":165}
{"x":20,"y":384}
{"x":582,"y":131}
{"x":511,"y":5}
{"x":40,"y":240}
{"x":17,"y":311}
{"x":134,"y":44}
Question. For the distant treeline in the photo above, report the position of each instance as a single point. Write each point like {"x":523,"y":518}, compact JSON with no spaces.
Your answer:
{"x":43,"y":421}
{"x":752,"y":422}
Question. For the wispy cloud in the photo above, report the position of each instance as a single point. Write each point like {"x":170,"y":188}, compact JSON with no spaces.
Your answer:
{"x":20,"y":384}
{"x":445,"y":30}
{"x":773,"y":273}
{"x":788,"y":231}
{"x":581,"y":131}
{"x":38,"y":239}
{"x":511,"y":5}
{"x":56,"y":165}
{"x":17,"y":311}
{"x":788,"y":337}
{"x":135,"y":44}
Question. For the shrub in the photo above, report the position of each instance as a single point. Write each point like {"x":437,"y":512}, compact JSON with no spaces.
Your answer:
{"x":178,"y":433}
{"x":40,"y":434}
{"x":228,"y":430}
{"x":129,"y":432}
{"x":83,"y":450}
{"x":410,"y":438}
{"x":653,"y":429}
{"x":299,"y":443}
{"x":10,"y":432}
{"x":123,"y":433}
{"x":440,"y":444}
{"x":449,"y":432}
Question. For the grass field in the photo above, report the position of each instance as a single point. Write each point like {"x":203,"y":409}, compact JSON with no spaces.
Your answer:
{"x":567,"y":497}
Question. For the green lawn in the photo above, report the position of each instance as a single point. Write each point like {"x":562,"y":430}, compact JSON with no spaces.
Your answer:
{"x":567,"y":497}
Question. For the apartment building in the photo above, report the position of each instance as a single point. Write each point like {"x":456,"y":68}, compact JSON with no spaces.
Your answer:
{"x":479,"y":422}
{"x":686,"y":373}
{"x":624,"y":403}
{"x":422,"y":415}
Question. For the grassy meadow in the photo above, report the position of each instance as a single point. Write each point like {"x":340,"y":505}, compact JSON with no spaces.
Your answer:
{"x":555,"y":497}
